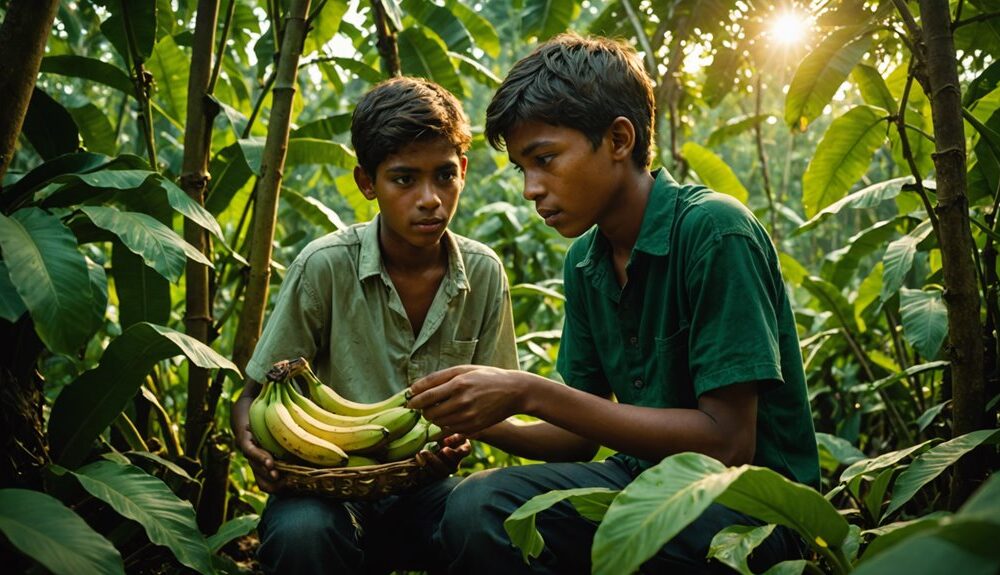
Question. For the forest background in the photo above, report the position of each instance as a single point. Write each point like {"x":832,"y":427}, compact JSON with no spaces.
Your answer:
{"x":163,"y":161}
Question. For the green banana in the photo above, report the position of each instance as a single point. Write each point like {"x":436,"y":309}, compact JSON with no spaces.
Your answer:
{"x":333,"y":402}
{"x":407,"y":445}
{"x":397,"y":421}
{"x":361,"y":461}
{"x":434,"y":433}
{"x":348,"y":438}
{"x":300,"y":442}
{"x":258,"y":423}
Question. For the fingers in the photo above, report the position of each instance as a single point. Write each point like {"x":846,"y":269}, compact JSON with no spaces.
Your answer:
{"x":435,"y":379}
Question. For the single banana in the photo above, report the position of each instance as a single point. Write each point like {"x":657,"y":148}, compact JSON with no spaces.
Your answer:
{"x":258,"y":423}
{"x":348,"y":438}
{"x":300,"y":442}
{"x":360,"y":461}
{"x":408,"y":445}
{"x":396,"y":419}
{"x":434,"y":433}
{"x":333,"y":402}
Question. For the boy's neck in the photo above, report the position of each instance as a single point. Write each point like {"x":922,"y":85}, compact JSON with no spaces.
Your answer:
{"x":622,"y":224}
{"x":409,"y":260}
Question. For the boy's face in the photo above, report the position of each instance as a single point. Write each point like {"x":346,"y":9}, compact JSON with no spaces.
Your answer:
{"x":417,"y":191}
{"x":571,"y":183}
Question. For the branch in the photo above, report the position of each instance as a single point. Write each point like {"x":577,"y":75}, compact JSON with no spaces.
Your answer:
{"x":973,"y":19}
{"x":641,"y":35}
{"x":911,"y":23}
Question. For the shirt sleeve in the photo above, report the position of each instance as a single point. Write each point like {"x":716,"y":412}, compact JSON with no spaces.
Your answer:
{"x":295,"y":327}
{"x":734,"y":294}
{"x":579,"y":360}
{"x":497,"y":345}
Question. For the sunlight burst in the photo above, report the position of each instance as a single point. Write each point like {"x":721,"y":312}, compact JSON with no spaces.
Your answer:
{"x":788,"y":28}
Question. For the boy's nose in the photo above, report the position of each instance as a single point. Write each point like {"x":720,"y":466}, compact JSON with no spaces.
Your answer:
{"x":429,"y":197}
{"x":532,"y":188}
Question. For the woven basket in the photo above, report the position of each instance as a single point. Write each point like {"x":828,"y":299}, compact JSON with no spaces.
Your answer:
{"x":363,"y":483}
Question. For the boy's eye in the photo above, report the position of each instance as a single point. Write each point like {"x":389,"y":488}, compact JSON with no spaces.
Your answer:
{"x":447,"y":176}
{"x":402,"y":180}
{"x":544,"y":160}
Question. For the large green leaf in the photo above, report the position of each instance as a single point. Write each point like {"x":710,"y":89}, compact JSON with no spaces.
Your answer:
{"x":735,"y":127}
{"x":51,"y":277}
{"x":324,"y":25}
{"x":967,"y":547}
{"x":543,"y":19}
{"x":841,"y":265}
{"x":11,"y":305}
{"x":667,"y":497}
{"x":90,"y":69}
{"x":141,"y":18}
{"x":985,"y":82}
{"x":925,"y":319}
{"x":520,"y":526}
{"x":842,"y":157}
{"x":170,"y":65}
{"x":733,"y":545}
{"x":873,"y":88}
{"x":49,"y":126}
{"x":832,"y":300}
{"x":230,"y":173}
{"x":313,"y":210}
{"x":821,"y":73}
{"x":232,"y":529}
{"x":713,"y":171}
{"x":160,"y":247}
{"x":842,"y":450}
{"x":96,"y":130}
{"x":876,"y":464}
{"x":41,"y":527}
{"x":312,"y":151}
{"x":79,"y":162}
{"x":471,"y":67}
{"x":168,"y":520}
{"x":426,"y":57}
{"x":933,"y":462}
{"x":898,"y":258}
{"x":483,"y":33}
{"x":867,"y":197}
{"x":440,"y":20}
{"x":88,"y":405}
{"x":143,"y":294}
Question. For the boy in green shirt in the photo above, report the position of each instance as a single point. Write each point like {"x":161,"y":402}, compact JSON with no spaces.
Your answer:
{"x":678,"y":334}
{"x":373,"y":308}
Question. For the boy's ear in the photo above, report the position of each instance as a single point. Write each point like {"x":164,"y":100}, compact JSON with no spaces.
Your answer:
{"x":463,"y":161}
{"x":621,"y":134}
{"x":365,"y":182}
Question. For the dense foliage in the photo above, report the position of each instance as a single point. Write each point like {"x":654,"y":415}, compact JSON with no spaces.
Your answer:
{"x":826,"y":118}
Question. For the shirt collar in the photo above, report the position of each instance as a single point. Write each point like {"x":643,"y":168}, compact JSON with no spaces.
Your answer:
{"x":370,"y":259}
{"x":656,"y":228}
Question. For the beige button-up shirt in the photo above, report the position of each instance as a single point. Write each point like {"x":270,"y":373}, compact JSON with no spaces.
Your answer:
{"x":339,"y":309}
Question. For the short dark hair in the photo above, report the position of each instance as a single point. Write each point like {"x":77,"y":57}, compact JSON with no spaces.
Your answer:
{"x":579,"y":83}
{"x":403,"y":110}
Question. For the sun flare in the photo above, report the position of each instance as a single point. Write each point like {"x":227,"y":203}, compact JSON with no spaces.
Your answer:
{"x":788,"y":29}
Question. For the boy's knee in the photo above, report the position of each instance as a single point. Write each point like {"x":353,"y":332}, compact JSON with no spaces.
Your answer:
{"x":475,"y":512}
{"x":304,"y":533}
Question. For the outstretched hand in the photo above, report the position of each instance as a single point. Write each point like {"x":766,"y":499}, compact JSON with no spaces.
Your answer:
{"x":466,"y":399}
{"x":261,"y":462}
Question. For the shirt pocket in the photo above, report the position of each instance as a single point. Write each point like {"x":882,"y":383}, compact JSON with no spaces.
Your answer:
{"x":672,"y":369}
{"x":457,"y":352}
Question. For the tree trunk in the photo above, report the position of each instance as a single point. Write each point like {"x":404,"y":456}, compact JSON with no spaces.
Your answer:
{"x":194,"y":181}
{"x":25,"y":451}
{"x":961,"y":291}
{"x":387,"y":48}
{"x":269,"y":184}
{"x":23,"y":35}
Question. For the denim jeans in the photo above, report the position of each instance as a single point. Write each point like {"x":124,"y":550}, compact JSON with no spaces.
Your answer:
{"x":304,"y":534}
{"x":473,"y":538}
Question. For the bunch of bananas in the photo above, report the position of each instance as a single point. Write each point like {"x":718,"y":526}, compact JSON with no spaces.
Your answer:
{"x":328,"y":430}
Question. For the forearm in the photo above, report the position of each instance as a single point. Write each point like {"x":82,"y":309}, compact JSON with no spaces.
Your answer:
{"x":239,"y":417}
{"x":538,"y":440}
{"x":646,"y":432}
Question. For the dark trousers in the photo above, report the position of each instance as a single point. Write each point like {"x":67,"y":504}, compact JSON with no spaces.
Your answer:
{"x":302,"y":534}
{"x":474,"y":540}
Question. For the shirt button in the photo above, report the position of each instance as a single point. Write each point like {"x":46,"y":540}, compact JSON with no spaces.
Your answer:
{"x":638,"y":383}
{"x":634,"y":340}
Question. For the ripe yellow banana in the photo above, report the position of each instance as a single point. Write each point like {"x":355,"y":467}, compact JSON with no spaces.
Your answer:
{"x":348,"y":438}
{"x":300,"y":442}
{"x":393,"y":419}
{"x":333,"y":402}
{"x":258,"y":423}
{"x":407,"y":445}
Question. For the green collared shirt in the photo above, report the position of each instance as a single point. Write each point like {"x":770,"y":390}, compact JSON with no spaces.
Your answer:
{"x":704,"y":306}
{"x":339,"y":309}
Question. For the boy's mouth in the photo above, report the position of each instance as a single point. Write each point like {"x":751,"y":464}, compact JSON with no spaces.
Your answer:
{"x":548,"y":214}
{"x":430,"y":224}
